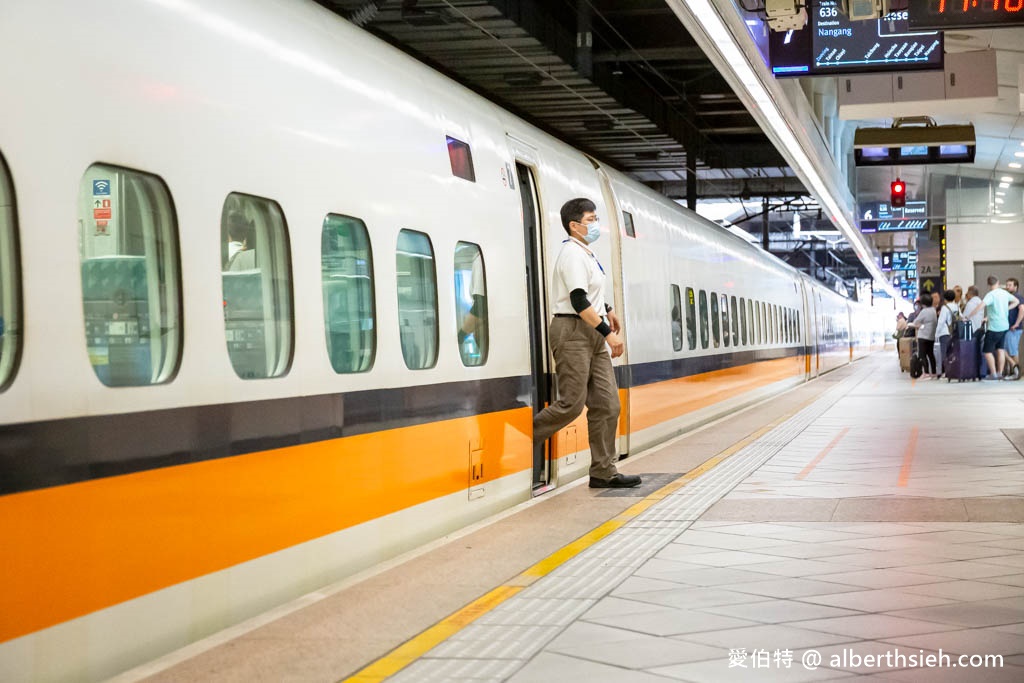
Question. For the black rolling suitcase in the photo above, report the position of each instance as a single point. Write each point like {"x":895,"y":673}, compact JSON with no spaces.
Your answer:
{"x":916,"y":364}
{"x":962,"y":360}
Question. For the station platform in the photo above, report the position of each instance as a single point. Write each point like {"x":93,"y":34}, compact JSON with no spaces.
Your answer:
{"x":861,"y":526}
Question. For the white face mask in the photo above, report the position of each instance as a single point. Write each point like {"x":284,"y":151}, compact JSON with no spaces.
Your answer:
{"x":593,"y":232}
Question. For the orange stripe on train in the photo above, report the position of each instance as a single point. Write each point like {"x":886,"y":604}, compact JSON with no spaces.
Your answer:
{"x":71,"y":550}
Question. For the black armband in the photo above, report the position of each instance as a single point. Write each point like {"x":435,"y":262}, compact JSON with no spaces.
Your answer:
{"x":603,"y":329}
{"x":579,"y":301}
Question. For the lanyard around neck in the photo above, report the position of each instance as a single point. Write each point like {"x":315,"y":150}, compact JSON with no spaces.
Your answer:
{"x":588,"y":252}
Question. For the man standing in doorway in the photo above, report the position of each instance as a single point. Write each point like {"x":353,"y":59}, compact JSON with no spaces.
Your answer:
{"x":1011,"y":342}
{"x":581,"y":337}
{"x":998,"y":303}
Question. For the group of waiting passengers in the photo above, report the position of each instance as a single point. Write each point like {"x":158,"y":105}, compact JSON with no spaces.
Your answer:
{"x":996,"y":323}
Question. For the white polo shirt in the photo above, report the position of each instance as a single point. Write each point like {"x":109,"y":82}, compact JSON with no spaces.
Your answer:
{"x":576,"y":267}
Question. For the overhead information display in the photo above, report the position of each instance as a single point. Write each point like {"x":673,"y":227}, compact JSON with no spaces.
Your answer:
{"x":882,"y":217}
{"x":832,"y":44}
{"x":942,"y":14}
{"x":899,"y":260}
{"x":886,"y":44}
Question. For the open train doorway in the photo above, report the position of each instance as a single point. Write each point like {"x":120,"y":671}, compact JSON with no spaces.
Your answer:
{"x":537,"y":314}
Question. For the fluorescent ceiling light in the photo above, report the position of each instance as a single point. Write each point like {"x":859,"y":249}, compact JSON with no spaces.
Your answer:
{"x":1003,"y":186}
{"x":716,"y":37}
{"x":999,"y":200}
{"x":719,"y":34}
{"x":1014,"y":164}
{"x":1019,"y":155}
{"x":1000,"y":193}
{"x":1006,"y":179}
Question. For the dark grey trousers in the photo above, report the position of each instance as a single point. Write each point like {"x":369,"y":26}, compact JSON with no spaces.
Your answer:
{"x":585,"y":377}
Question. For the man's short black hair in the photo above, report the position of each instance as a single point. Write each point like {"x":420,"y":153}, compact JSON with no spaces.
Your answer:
{"x":573,"y":210}
{"x":949,"y":295}
{"x":238,"y":228}
{"x":992,"y":280}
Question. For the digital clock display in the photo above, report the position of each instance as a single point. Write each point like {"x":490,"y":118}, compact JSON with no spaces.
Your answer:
{"x":949,"y":14}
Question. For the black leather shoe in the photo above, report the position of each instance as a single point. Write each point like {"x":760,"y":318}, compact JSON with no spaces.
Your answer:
{"x":619,"y":481}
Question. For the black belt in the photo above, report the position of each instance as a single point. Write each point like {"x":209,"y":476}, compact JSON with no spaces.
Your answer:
{"x":604,"y":319}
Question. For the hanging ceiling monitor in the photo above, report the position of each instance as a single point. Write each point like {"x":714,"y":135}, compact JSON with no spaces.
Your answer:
{"x":883,"y":217}
{"x":832,"y":44}
{"x":914,"y":140}
{"x":964,"y":14}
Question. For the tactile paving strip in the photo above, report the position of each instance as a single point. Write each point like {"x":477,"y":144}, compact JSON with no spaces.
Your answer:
{"x":500,"y":642}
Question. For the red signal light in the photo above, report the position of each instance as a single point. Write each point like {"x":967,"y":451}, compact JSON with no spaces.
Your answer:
{"x":898,"y":194}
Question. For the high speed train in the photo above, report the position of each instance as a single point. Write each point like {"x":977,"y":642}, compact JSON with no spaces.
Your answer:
{"x":240,"y":244}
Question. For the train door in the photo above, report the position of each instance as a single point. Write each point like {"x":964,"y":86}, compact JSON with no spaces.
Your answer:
{"x":820,"y":330}
{"x":536,"y":313}
{"x":851,"y":342}
{"x":613,"y":221}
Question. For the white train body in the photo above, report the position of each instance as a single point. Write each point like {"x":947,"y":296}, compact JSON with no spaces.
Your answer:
{"x":140,"y":518}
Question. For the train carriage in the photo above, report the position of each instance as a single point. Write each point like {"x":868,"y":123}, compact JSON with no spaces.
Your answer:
{"x":189,"y":437}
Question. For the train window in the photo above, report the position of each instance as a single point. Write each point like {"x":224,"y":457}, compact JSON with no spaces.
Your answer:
{"x":765,"y":337}
{"x":716,"y":328}
{"x":725,"y":319}
{"x":627,"y":223}
{"x":773,"y":312}
{"x":703,"y":319}
{"x":131,"y":278}
{"x":785,"y":325}
{"x":346,"y":277}
{"x":735,"y":323}
{"x":256,"y":282}
{"x":461,"y":158}
{"x":691,"y":320}
{"x":677,"y":319}
{"x":752,"y":322}
{"x":471,"y":304}
{"x":10,"y":281}
{"x":743,"y":321}
{"x":417,"y":299}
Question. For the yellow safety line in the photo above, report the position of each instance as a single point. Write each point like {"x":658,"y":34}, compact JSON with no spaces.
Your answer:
{"x":413,"y":649}
{"x":416,"y":647}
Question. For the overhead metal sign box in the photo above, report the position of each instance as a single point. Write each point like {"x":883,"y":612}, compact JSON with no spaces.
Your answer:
{"x":914,"y":140}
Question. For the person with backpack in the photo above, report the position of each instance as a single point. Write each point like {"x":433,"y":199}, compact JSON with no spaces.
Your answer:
{"x":998,"y":303}
{"x":945,"y":330}
{"x":1011,"y":342}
